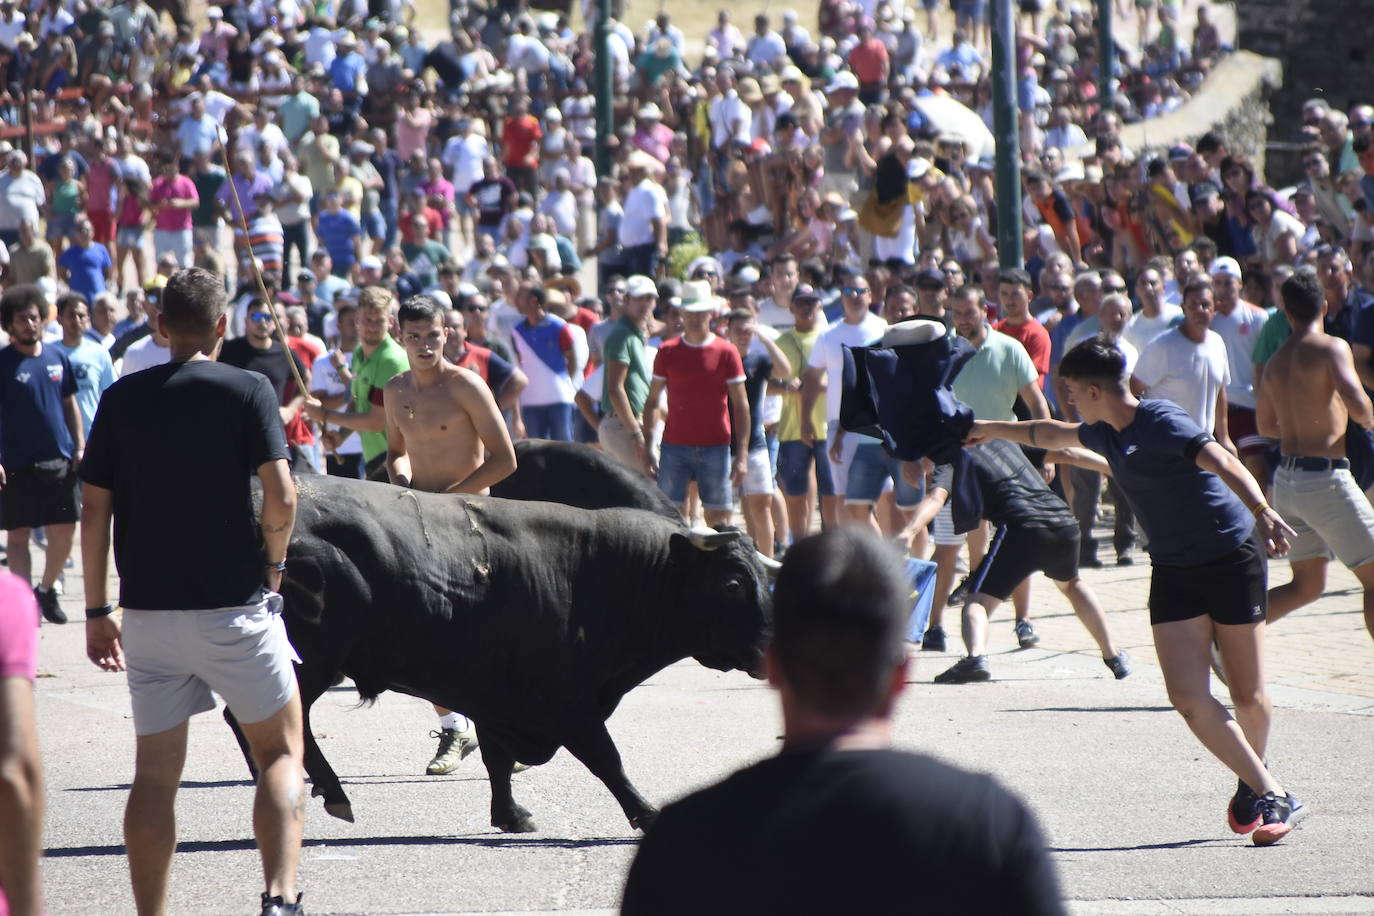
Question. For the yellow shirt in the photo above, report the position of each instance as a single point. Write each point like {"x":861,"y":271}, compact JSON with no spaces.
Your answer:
{"x":796,"y":346}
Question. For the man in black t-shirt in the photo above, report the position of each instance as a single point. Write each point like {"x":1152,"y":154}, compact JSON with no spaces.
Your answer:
{"x":1036,"y":532}
{"x":839,"y":822}
{"x":170,"y":459}
{"x":261,"y":352}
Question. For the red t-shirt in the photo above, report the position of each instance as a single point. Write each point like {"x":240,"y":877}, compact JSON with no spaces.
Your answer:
{"x":518,"y":137}
{"x":867,"y":60}
{"x":698,"y":400}
{"x":298,"y":431}
{"x":1035,"y":339}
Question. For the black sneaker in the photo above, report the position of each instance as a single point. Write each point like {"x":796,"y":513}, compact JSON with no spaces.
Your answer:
{"x":1279,"y":816}
{"x":47,"y":603}
{"x":1125,"y":559}
{"x":967,"y":670}
{"x":956,"y":597}
{"x":1025,"y":634}
{"x":934,"y":640}
{"x":275,"y":906}
{"x":1120,"y":665}
{"x":1243,"y":813}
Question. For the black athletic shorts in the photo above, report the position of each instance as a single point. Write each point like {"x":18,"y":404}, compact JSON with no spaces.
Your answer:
{"x":37,"y":496}
{"x":1016,"y":553}
{"x":1230,"y":590}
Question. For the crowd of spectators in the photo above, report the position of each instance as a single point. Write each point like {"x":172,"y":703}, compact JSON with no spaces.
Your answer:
{"x":309,"y":152}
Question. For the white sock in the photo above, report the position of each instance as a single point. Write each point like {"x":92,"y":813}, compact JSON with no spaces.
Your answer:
{"x":454,"y":720}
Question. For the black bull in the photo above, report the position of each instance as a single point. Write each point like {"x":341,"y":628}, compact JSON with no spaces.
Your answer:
{"x":534,"y":619}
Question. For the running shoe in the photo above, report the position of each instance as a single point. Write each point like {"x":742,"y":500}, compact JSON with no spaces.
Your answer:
{"x":934,"y":640}
{"x":48,"y":604}
{"x":956,"y":597}
{"x":1025,"y":634}
{"x":1243,"y":813}
{"x":967,"y":670}
{"x":1120,"y":665}
{"x":1279,"y":816}
{"x":276,"y":906}
{"x":454,"y":747}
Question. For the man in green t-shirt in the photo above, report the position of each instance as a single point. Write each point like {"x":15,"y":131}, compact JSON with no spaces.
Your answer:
{"x":628,"y":371}
{"x":795,"y":457}
{"x":377,"y":359}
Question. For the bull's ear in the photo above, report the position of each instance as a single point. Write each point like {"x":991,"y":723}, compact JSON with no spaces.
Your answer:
{"x":710,"y":539}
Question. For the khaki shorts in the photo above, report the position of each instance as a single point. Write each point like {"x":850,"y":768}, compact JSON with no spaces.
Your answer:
{"x":176,"y":658}
{"x":1329,"y":512}
{"x":617,"y":441}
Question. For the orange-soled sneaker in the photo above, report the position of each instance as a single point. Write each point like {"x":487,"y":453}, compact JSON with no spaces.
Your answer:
{"x":1243,"y":813}
{"x":1279,"y":816}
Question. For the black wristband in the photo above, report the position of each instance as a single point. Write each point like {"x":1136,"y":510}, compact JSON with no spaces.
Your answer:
{"x":95,"y":613}
{"x":279,"y":567}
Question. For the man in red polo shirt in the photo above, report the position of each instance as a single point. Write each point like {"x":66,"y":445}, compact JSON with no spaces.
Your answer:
{"x":703,"y":374}
{"x":520,"y":136}
{"x":869,"y":61}
{"x":1014,"y":293}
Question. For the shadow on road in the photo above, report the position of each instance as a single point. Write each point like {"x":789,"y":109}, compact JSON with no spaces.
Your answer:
{"x":186,"y":784}
{"x":493,"y":841}
{"x":1181,"y":844}
{"x":1093,"y":709}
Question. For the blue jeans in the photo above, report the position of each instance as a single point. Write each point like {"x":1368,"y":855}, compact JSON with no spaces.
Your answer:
{"x":548,"y":421}
{"x":794,"y":467}
{"x":640,"y":259}
{"x":708,"y":465}
{"x":388,"y":210}
{"x":870,"y":469}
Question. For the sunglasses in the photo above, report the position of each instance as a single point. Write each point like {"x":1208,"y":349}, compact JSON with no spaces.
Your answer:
{"x":1059,"y":289}
{"x":479,"y":308}
{"x":1114,"y":289}
{"x":855,"y":290}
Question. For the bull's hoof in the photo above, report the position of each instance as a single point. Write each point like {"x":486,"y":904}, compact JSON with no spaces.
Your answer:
{"x":645,"y":820}
{"x":342,"y":810}
{"x":518,"y":821}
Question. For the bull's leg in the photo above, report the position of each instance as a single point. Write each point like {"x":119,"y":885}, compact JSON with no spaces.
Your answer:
{"x":506,"y":815}
{"x":243,"y":743}
{"x":592,"y":745}
{"x":323,"y":780}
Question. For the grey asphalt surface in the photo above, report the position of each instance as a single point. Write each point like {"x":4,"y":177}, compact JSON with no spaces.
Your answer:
{"x":1132,"y":806}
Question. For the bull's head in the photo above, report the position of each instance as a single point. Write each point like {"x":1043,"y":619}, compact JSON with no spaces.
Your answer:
{"x":733,"y":589}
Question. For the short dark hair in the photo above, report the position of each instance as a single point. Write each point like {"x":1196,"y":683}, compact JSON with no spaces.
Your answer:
{"x":18,"y":299}
{"x":69,"y":300}
{"x":899,"y":289}
{"x":1302,"y":295}
{"x":420,"y":308}
{"x":839,"y":615}
{"x":1197,"y":285}
{"x":1206,"y":249}
{"x":1014,"y":276}
{"x":970,"y":291}
{"x":192,"y":301}
{"x":1095,"y":361}
{"x":739,"y":315}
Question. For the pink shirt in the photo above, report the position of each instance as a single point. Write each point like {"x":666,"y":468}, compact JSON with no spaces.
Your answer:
{"x":408,"y":138}
{"x":170,"y":219}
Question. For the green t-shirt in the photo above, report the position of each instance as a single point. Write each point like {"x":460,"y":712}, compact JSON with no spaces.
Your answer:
{"x":425,"y":260}
{"x":988,"y":383}
{"x":66,"y":197}
{"x":369,"y":373}
{"x":1275,"y":331}
{"x":796,"y":346}
{"x":625,"y":344}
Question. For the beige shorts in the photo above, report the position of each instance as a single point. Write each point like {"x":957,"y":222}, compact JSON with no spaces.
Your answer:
{"x":1329,"y":513}
{"x":618,"y":441}
{"x":176,"y":658}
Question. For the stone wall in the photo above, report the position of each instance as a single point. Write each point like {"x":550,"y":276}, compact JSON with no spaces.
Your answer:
{"x":1233,"y":101}
{"x":1327,"y":49}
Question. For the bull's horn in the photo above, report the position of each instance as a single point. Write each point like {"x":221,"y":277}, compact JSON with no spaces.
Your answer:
{"x":770,"y":564}
{"x":710,"y":539}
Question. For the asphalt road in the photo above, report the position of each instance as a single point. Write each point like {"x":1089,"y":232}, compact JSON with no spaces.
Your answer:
{"x":1132,"y":807}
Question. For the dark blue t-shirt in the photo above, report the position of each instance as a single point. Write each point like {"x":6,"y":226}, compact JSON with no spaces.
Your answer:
{"x":758,"y":369}
{"x":1190,"y":516}
{"x":33,"y":427}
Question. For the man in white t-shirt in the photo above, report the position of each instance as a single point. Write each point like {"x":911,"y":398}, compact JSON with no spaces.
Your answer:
{"x":1239,"y":324}
{"x":1187,"y":365}
{"x":859,"y":328}
{"x":331,"y":378}
{"x":1155,"y":316}
{"x":644,"y":226}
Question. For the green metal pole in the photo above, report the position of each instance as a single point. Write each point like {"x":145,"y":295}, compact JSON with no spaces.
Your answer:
{"x":604,"y":89}
{"x":1106,"y":52}
{"x":1007,"y":135}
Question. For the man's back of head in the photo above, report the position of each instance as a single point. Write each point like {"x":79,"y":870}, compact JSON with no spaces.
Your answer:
{"x":840,"y":610}
{"x":192,"y":302}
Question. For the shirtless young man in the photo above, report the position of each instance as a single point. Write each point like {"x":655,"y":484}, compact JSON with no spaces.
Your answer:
{"x":1308,"y":390}
{"x":444,"y":434}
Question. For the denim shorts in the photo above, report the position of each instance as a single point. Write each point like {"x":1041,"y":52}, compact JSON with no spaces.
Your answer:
{"x":708,"y":465}
{"x":794,"y":467}
{"x":870,"y":470}
{"x":129,"y":236}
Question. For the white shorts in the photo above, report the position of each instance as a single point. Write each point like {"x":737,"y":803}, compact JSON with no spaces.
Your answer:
{"x":758,"y":478}
{"x":176,"y":658}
